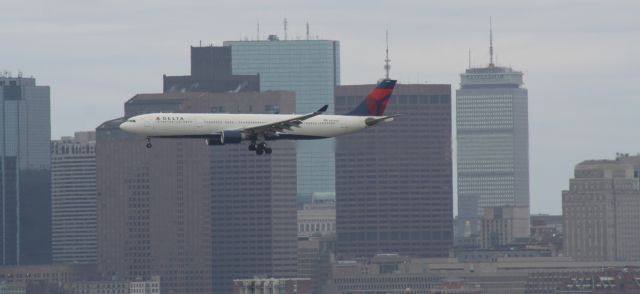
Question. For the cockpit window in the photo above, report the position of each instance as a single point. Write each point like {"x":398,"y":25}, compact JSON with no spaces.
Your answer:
{"x":131,"y":120}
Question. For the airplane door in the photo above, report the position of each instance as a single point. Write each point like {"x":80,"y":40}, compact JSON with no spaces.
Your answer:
{"x":148,"y":124}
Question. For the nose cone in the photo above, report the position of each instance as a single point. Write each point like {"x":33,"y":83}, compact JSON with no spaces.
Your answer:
{"x":126,"y":126}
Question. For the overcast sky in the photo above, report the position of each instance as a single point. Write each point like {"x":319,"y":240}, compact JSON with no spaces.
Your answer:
{"x":579,"y":58}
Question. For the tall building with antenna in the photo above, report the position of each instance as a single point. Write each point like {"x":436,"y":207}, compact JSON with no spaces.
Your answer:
{"x":492,"y":142}
{"x":310,"y":68}
{"x":387,"y":61}
{"x":396,"y":198}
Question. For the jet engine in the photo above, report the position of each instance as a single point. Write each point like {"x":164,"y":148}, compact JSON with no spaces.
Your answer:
{"x":226,"y":137}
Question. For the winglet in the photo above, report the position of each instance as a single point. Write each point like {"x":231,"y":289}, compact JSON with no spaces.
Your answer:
{"x":323,"y":109}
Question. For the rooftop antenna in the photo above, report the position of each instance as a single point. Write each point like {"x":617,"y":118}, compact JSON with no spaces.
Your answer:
{"x":307,"y":30}
{"x":258,"y":31}
{"x":285,"y":28}
{"x":490,"y":43}
{"x":469,"y":58}
{"x":387,"y":67}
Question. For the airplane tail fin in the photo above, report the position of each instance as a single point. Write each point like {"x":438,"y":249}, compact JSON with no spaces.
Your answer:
{"x":376,"y":102}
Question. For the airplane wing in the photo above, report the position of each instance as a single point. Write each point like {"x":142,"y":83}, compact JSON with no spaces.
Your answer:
{"x":282,"y":125}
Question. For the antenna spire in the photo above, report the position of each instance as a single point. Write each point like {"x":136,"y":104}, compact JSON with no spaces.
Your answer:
{"x":387,"y":66}
{"x":490,"y":43}
{"x":469,"y":58}
{"x":258,"y":31}
{"x":307,"y":30}
{"x":285,"y":28}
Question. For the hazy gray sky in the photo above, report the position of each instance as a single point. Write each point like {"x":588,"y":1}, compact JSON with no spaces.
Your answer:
{"x":580,"y":58}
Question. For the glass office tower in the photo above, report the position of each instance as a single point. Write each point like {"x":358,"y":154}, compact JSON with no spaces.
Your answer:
{"x":311,"y":68}
{"x":25,"y":184}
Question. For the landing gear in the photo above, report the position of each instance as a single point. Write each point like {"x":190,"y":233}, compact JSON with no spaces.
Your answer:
{"x":148,"y":143}
{"x":252,"y":146}
{"x":261,"y":149}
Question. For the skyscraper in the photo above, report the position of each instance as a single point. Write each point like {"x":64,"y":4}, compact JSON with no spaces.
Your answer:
{"x":197,"y":215}
{"x":310,"y":68}
{"x":253,"y":201}
{"x":25,"y":184}
{"x":601,"y":210}
{"x":73,"y":197}
{"x":394,"y":181}
{"x":154,"y":208}
{"x":493,"y":142}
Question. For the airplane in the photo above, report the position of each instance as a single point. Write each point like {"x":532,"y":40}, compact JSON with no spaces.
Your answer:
{"x":232,"y":128}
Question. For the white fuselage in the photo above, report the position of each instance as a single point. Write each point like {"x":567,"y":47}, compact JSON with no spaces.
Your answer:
{"x":205,"y":124}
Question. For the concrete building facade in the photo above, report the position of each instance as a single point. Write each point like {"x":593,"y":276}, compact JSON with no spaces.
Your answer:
{"x":601,"y":210}
{"x":310,"y":68}
{"x":254,"y":202}
{"x":492,"y":143}
{"x":396,"y":197}
{"x":45,"y":278}
{"x":25,"y":183}
{"x":317,"y":218}
{"x":198,"y":216}
{"x":505,"y":275}
{"x":73,"y":199}
{"x":268,"y":286}
{"x":116,"y":286}
{"x":504,"y":225}
{"x":315,"y":256}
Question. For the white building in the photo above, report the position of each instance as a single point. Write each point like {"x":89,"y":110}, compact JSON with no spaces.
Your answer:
{"x":73,"y":185}
{"x":601,"y":211}
{"x":317,"y":218}
{"x":146,"y":286}
{"x":504,"y":225}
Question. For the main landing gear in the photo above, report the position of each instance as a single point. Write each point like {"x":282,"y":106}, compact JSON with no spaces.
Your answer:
{"x":260,"y":149}
{"x":148,"y":143}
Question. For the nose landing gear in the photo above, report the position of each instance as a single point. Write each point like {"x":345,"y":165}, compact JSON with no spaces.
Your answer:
{"x":148,"y":143}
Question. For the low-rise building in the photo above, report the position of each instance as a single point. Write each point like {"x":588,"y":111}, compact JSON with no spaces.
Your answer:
{"x":391,"y":273}
{"x":317,"y":218}
{"x":504,"y":225}
{"x":270,"y":286}
{"x":315,"y":255}
{"x":116,"y":286}
{"x":13,"y":288}
{"x":601,"y":210}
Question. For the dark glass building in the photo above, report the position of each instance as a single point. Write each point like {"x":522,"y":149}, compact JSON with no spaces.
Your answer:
{"x":211,"y":72}
{"x":394,"y":181}
{"x":25,"y":184}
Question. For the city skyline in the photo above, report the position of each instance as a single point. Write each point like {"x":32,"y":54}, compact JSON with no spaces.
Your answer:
{"x":559,"y":46}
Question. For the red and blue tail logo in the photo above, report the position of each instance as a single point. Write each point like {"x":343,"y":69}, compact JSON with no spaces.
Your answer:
{"x":376,"y":102}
